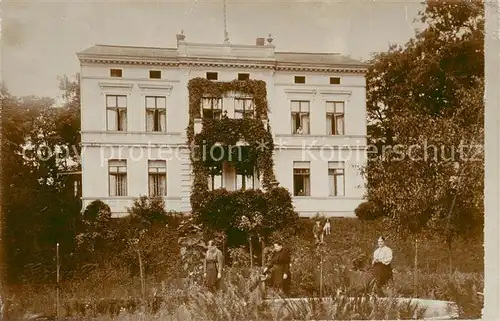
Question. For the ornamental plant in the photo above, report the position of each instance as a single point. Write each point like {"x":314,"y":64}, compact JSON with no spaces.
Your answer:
{"x":224,"y":210}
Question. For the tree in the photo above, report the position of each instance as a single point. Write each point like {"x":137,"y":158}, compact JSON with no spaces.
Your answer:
{"x":425,"y":110}
{"x":38,"y":214}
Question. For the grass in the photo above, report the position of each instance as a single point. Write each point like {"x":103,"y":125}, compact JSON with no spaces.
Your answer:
{"x":113,"y":291}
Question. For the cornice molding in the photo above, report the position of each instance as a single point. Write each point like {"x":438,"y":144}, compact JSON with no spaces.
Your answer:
{"x":242,"y":65}
{"x":147,"y":87}
{"x":300,"y":91}
{"x":323,"y":69}
{"x":109,"y":85}
{"x":335,"y":92}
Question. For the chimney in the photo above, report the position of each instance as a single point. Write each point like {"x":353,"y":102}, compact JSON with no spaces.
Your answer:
{"x":260,"y":41}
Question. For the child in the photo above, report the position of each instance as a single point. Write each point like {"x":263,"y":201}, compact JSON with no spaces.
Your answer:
{"x":317,"y":231}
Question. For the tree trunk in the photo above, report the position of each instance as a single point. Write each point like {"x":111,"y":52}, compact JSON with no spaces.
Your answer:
{"x":450,"y":267}
{"x":251,"y":250}
{"x":415,"y":273}
{"x":262,"y":251}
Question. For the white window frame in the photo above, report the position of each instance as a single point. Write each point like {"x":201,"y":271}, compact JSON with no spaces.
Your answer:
{"x":244,"y":107}
{"x":117,"y":168}
{"x":157,"y":111}
{"x":302,"y":168}
{"x":157,"y":170}
{"x":336,"y":171}
{"x":300,"y":113}
{"x":332,"y":111}
{"x":212,"y":104}
{"x":212,"y":178}
{"x":120,"y":111}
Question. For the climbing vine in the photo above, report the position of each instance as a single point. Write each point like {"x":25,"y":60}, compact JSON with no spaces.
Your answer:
{"x":245,"y":143}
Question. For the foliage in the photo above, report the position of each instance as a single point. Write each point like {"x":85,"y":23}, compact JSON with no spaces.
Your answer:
{"x":368,"y":210}
{"x":224,"y":210}
{"x":35,"y":141}
{"x":253,"y":213}
{"x":425,"y":107}
{"x":228,"y":132}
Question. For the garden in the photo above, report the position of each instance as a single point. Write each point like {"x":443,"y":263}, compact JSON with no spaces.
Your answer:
{"x":149,"y":266}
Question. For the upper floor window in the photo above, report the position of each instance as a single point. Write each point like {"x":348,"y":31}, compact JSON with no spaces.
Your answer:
{"x":337,"y":178}
{"x":335,"y":118}
{"x":115,"y":73}
{"x":157,"y":177}
{"x":300,"y":79}
{"x":212,"y":76}
{"x":300,"y":117}
{"x":117,"y":177}
{"x":211,"y":107}
{"x":243,"y":108}
{"x":155,"y":74}
{"x":243,"y":76}
{"x":301,"y":179}
{"x":156,"y":114}
{"x":334,"y":80}
{"x":116,"y":110}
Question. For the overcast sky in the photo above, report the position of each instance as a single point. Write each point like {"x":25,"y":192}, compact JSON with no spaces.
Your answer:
{"x":41,"y":38}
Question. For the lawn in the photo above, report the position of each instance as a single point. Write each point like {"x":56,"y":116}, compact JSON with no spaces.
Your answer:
{"x":113,"y":289}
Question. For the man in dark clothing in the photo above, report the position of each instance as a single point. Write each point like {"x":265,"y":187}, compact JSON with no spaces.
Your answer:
{"x":280,"y":269}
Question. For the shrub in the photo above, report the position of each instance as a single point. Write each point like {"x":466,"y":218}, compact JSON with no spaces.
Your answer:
{"x":368,"y":210}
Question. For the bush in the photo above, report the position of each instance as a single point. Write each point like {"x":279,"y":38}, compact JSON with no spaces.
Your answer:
{"x":368,"y":210}
{"x":224,"y":210}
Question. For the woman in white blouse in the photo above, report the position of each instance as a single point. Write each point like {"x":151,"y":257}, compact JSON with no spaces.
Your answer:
{"x":382,"y":258}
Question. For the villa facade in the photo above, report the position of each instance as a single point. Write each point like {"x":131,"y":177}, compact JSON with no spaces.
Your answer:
{"x":135,"y":111}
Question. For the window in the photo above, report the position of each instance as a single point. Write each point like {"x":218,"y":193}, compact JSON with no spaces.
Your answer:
{"x":215,"y":178}
{"x":336,"y":177}
{"x":300,"y":79}
{"x":116,"y":107}
{"x":243,"y":76}
{"x":212,"y":76}
{"x":117,"y":177}
{"x":157,"y":172}
{"x":212,"y":107}
{"x":334,"y":80}
{"x":335,"y":118}
{"x":156,"y":114}
{"x":115,"y":73}
{"x":301,"y":179}
{"x":300,"y":117}
{"x":244,"y":181}
{"x":155,"y":74}
{"x":243,"y":108}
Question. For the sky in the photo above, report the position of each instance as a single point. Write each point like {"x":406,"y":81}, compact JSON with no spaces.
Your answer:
{"x":40,"y":38}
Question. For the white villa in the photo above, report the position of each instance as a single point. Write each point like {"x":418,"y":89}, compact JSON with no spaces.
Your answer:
{"x":135,"y":106}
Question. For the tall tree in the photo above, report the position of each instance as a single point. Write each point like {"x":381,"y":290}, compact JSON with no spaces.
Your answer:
{"x":35,"y":138}
{"x":425,"y":107}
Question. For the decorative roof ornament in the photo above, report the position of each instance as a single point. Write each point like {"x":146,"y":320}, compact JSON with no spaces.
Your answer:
{"x":181,"y":36}
{"x":269,"y":39}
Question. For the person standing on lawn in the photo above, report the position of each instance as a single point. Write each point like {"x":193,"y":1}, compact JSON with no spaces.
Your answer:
{"x":318,"y":232}
{"x":213,"y":266}
{"x":382,"y":258}
{"x":280,"y":269}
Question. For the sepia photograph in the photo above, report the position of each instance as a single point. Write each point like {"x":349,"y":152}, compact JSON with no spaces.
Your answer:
{"x":206,"y":160}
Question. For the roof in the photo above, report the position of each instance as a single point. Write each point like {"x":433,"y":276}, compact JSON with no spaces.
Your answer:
{"x":301,"y":59}
{"x":130,"y":51}
{"x":316,"y":58}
